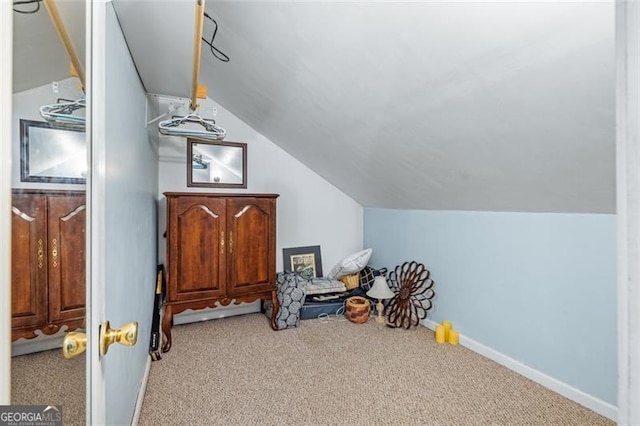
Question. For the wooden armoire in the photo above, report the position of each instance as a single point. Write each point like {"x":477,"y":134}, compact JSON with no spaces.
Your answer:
{"x":220,"y":248}
{"x":47,"y":261}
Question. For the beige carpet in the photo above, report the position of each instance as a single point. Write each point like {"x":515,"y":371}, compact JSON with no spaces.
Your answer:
{"x":236,"y":371}
{"x":47,"y":378}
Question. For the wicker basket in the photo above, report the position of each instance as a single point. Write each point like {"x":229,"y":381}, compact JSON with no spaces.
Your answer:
{"x":351,"y":281}
{"x":358,"y":309}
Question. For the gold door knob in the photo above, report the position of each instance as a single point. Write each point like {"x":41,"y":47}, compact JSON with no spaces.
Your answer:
{"x":74,"y":344}
{"x":126,"y":335}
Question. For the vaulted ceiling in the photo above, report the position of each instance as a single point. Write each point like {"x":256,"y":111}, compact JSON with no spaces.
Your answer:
{"x":499,"y":106}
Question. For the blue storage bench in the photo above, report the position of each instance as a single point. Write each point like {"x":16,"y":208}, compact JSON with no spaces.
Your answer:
{"x":311,"y":310}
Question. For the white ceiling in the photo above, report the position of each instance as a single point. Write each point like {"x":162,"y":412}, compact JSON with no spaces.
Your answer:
{"x":499,"y":106}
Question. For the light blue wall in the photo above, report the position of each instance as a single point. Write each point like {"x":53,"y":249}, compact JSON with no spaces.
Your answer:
{"x":537,"y":287}
{"x":131,"y":186}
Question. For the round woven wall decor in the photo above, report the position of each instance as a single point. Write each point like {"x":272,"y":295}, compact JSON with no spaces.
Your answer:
{"x":412,"y":285}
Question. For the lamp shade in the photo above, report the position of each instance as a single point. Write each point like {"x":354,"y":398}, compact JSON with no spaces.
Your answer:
{"x":380,"y":289}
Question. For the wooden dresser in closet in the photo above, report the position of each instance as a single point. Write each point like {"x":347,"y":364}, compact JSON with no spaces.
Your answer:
{"x":220,"y":248}
{"x":47,"y":261}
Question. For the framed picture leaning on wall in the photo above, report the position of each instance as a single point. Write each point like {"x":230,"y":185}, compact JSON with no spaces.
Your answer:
{"x":304,"y":260}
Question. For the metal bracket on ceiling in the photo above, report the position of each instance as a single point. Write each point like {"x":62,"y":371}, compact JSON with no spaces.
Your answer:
{"x":173,"y":107}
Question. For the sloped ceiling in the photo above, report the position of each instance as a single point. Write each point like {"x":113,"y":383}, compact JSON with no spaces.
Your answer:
{"x":38,"y":54}
{"x":498,"y":106}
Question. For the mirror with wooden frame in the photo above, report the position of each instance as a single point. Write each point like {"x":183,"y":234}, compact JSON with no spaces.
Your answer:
{"x":215,"y":164}
{"x":50,"y":153}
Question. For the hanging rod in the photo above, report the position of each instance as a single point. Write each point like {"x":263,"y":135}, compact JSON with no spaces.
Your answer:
{"x":197,"y":53}
{"x":64,"y":37}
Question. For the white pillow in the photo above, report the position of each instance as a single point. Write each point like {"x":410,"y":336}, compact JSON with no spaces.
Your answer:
{"x":351,"y":264}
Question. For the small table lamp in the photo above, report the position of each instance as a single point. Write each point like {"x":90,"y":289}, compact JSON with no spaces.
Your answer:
{"x":380,"y":290}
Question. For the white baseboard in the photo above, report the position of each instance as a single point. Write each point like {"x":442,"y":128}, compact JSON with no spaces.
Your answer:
{"x":215,"y":313}
{"x":599,"y":406}
{"x":41,"y":342}
{"x":141,"y":392}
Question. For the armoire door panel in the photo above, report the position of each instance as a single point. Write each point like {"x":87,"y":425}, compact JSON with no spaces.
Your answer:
{"x":29,"y":262}
{"x":251,"y":259}
{"x":67,"y":222}
{"x":198,"y":229}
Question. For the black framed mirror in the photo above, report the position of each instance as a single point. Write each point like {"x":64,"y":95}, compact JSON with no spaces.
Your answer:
{"x":53,"y":154}
{"x":216,"y":164}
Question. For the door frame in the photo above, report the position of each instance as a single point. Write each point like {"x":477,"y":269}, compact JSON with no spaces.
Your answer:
{"x":96,"y":198}
{"x":627,"y":28}
{"x":6,"y":119}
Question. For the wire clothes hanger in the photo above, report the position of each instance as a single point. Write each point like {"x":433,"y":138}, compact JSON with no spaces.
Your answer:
{"x":62,"y":113}
{"x":210,"y":129}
